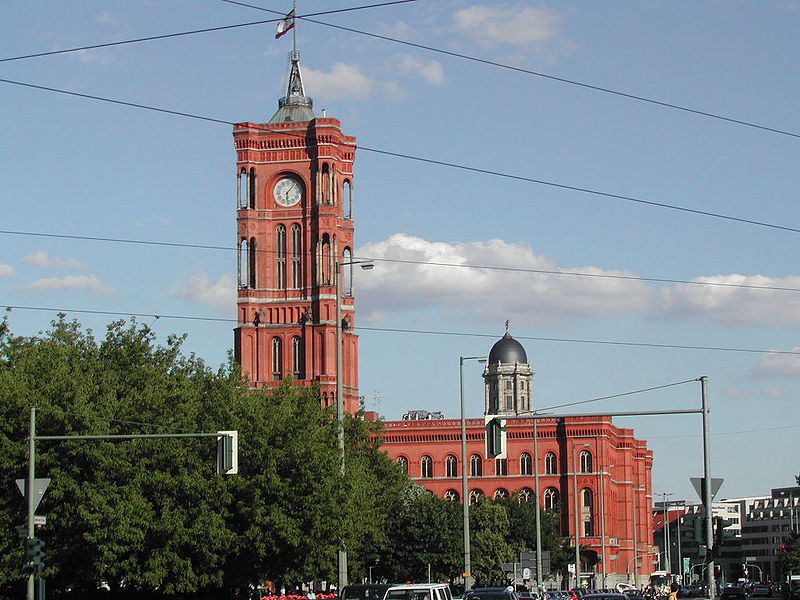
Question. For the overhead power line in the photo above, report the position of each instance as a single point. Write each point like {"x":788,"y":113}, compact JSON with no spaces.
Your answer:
{"x":641,"y":391}
{"x":417,"y":262}
{"x":414,"y":331}
{"x":491,"y":63}
{"x":190,"y":32}
{"x":451,"y":165}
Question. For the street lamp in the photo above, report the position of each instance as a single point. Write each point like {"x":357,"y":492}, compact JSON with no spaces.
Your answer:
{"x":603,"y":564}
{"x":464,"y":491}
{"x":577,"y":520}
{"x":366,"y":265}
{"x":665,"y":531}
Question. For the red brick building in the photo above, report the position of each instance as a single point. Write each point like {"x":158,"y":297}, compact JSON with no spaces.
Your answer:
{"x":295,"y":239}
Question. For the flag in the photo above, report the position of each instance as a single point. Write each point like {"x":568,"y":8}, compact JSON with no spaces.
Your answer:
{"x":285,"y":24}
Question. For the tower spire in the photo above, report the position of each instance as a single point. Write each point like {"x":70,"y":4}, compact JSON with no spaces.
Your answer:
{"x":295,"y":106}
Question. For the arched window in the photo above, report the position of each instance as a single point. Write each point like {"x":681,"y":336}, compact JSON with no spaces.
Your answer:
{"x":474,"y":495}
{"x":347,"y":282}
{"x":500,"y":493}
{"x":252,"y":250}
{"x":451,"y":466}
{"x":347,"y":196}
{"x":251,"y":189}
{"x":325,"y":261}
{"x":586,"y":461}
{"x":500,"y":467}
{"x":587,"y":511}
{"x":525,"y":464}
{"x":426,"y":467}
{"x":550,"y":463}
{"x":242,"y":189}
{"x":326,"y":185}
{"x":551,"y":499}
{"x":298,"y":358}
{"x":277,"y":359}
{"x":280,"y":253}
{"x":525,"y":495}
{"x":476,"y":465}
{"x":403,"y":462}
{"x":244,"y":264}
{"x":451,"y":495}
{"x":297,"y":272}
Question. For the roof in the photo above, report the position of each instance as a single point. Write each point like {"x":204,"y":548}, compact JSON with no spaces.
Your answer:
{"x":507,"y":350}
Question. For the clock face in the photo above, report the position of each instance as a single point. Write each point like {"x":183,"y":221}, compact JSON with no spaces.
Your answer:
{"x":288,"y":191}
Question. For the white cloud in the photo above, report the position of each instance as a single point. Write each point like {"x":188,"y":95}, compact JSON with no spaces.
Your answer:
{"x":199,"y":289}
{"x":511,"y":24}
{"x":779,"y":365}
{"x":733,"y":305}
{"x":431,"y":71}
{"x":490,"y":294}
{"x":7,"y":271}
{"x":104,"y":17}
{"x":343,"y":81}
{"x":95,"y":56}
{"x":43,"y":260}
{"x":88,"y":283}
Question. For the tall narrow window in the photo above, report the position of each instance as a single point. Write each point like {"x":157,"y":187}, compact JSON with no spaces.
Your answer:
{"x":586,"y":462}
{"x":325,"y":265}
{"x":500,"y":467}
{"x":525,"y":464}
{"x":277,"y":359}
{"x":280,"y":250}
{"x":326,"y":185}
{"x":550,"y":463}
{"x":251,"y":189}
{"x":451,"y":466}
{"x":587,"y":511}
{"x":244,"y":264}
{"x":426,"y":467}
{"x":347,"y":283}
{"x":251,"y":263}
{"x":551,"y":500}
{"x":242,"y":189}
{"x":403,"y":462}
{"x":347,"y":197}
{"x":298,"y":358}
{"x":476,"y":465}
{"x":297,"y":273}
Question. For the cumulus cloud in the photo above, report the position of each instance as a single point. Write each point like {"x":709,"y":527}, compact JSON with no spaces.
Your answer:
{"x":7,"y":271}
{"x":89,"y":283}
{"x":779,"y":365}
{"x":733,"y":305}
{"x":199,"y":289}
{"x":43,"y":260}
{"x":490,"y":293}
{"x":507,"y":24}
{"x":430,"y":71}
{"x":342,"y":81}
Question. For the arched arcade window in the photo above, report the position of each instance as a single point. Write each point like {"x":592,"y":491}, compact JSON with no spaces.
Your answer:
{"x":550,"y":463}
{"x":426,"y":467}
{"x":525,"y":464}
{"x":586,"y":461}
{"x":476,"y":465}
{"x":551,"y":499}
{"x":451,"y":466}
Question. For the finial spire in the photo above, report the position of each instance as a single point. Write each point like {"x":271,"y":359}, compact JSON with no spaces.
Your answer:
{"x":295,"y":106}
{"x":506,"y":326}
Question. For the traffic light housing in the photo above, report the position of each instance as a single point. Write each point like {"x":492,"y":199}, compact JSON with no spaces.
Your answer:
{"x":227,"y":452}
{"x":34,"y":552}
{"x":699,"y":529}
{"x":494,"y":438}
{"x":720,"y":535}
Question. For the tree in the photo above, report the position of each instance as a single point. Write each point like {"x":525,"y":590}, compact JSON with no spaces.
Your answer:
{"x":150,"y":517}
{"x":490,"y":534}
{"x":790,"y":555}
{"x":522,"y":526}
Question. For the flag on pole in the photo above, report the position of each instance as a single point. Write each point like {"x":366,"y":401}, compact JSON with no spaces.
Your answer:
{"x":285,"y":24}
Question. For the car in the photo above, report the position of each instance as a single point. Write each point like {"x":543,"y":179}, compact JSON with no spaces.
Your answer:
{"x":733,"y":593}
{"x":762,"y":590}
{"x":419,"y":591}
{"x":605,"y":596}
{"x":491,"y":593}
{"x":367,"y":591}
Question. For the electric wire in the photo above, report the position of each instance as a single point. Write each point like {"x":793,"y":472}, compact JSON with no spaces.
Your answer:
{"x":191,"y":32}
{"x":432,"y":49}
{"x":649,"y":389}
{"x":65,"y":311}
{"x":421,"y":159}
{"x":417,"y":262}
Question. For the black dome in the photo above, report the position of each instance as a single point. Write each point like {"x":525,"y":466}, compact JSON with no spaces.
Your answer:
{"x":507,"y":350}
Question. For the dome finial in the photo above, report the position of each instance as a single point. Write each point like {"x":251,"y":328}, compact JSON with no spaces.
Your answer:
{"x":506,"y":326}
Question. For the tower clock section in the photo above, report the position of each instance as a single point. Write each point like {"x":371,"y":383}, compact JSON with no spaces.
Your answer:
{"x":295,"y":238}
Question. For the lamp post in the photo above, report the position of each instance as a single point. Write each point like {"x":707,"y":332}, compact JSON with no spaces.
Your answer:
{"x":603,"y":562}
{"x":464,"y":490}
{"x":366,"y":265}
{"x":577,"y":519}
{"x":665,"y":512}
{"x":634,"y":490}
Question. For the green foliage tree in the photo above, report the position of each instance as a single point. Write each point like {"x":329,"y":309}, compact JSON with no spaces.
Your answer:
{"x":790,"y":555}
{"x":423,"y":531}
{"x":522,"y":529}
{"x":150,"y":517}
{"x":491,"y":546}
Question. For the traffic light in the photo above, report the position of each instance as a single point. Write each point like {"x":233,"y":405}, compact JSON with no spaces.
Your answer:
{"x":699,"y":529}
{"x":34,"y":552}
{"x":494,"y":438}
{"x":720,"y":534}
{"x":227,"y":452}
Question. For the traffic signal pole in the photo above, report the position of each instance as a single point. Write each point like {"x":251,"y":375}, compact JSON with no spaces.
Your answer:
{"x":707,"y":491}
{"x":29,"y":491}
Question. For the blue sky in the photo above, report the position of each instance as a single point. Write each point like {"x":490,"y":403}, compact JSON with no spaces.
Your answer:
{"x":81,"y":167}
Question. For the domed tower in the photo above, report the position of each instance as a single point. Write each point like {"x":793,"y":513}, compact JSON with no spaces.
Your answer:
{"x":508,"y":378}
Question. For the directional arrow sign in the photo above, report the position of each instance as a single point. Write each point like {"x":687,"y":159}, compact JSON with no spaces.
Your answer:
{"x":39,"y":486}
{"x":699,"y":484}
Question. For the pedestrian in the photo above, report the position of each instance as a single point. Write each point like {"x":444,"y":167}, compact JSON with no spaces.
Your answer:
{"x":673,"y":591}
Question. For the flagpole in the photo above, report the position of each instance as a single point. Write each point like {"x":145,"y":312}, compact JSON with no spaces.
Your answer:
{"x":294,"y":29}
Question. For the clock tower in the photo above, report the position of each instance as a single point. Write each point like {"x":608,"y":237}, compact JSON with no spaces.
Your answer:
{"x":295,"y":239}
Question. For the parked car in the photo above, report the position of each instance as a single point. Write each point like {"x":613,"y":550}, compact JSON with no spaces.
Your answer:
{"x":420,"y":591}
{"x":605,"y":596}
{"x":761,"y":590}
{"x":367,"y":591}
{"x":491,"y":593}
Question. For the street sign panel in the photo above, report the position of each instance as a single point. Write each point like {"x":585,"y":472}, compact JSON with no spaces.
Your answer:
{"x":699,"y":484}
{"x":39,"y":486}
